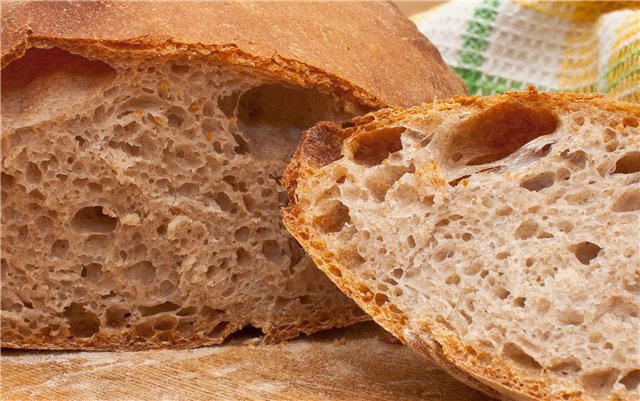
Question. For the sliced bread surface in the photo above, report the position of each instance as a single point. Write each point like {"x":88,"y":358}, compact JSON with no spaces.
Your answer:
{"x":497,"y":236}
{"x":142,"y":145}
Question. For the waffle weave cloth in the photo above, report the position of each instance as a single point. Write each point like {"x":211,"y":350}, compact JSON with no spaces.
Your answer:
{"x":578,"y":46}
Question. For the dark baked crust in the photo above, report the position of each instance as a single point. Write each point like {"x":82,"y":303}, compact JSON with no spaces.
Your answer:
{"x":343,"y":57}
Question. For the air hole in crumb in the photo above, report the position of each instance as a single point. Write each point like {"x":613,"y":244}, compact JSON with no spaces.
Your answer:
{"x":92,"y":272}
{"x":563,"y":174}
{"x":585,"y":251}
{"x":467,"y":236}
{"x":466,"y":316}
{"x":116,"y":316}
{"x":156,"y":309}
{"x":228,"y":104}
{"x":538,"y":182}
{"x":66,"y":74}
{"x":93,"y":220}
{"x":630,"y":122}
{"x":544,"y":151}
{"x":452,"y":279}
{"x":143,"y":272}
{"x":397,"y":273}
{"x":502,"y":255}
{"x":519,"y":356}
{"x":576,"y":159}
{"x":334,"y":220}
{"x":379,"y":184}
{"x":243,"y":257}
{"x":473,"y":269}
{"x":175,"y":120}
{"x":223,"y":201}
{"x":519,"y":302}
{"x":503,"y":293}
{"x":82,"y":323}
{"x":180,"y":69}
{"x":33,"y":172}
{"x":167,"y":323}
{"x":335,"y":271}
{"x":631,"y":380}
{"x":249,"y":203}
{"x":188,"y":311}
{"x":565,"y":226}
{"x":456,"y":156}
{"x":627,"y":202}
{"x":271,"y":250}
{"x":571,"y":317}
{"x":242,"y":234}
{"x":373,"y":147}
{"x":272,"y":116}
{"x":218,"y":329}
{"x":161,"y":229}
{"x":59,"y":248}
{"x":443,"y":254}
{"x":411,"y":241}
{"x":242,"y":146}
{"x":628,"y":164}
{"x":498,"y":132}
{"x":380,"y":299}
{"x":7,"y":181}
{"x":566,"y":367}
{"x":526,"y":230}
{"x":600,"y":381}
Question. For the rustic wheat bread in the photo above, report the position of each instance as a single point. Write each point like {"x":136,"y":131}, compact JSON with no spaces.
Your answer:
{"x":142,"y":148}
{"x":497,"y":236}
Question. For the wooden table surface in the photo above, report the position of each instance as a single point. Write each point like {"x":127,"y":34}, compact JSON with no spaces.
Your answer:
{"x":348,"y":364}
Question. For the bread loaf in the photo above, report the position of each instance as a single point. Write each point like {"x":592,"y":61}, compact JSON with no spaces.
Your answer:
{"x":142,"y":148}
{"x":497,"y":236}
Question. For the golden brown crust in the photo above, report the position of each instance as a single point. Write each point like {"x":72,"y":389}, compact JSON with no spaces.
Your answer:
{"x":127,"y":341}
{"x":476,"y":369}
{"x":267,"y":35}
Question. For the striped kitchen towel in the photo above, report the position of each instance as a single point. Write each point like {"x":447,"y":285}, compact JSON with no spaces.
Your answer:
{"x":581,"y":46}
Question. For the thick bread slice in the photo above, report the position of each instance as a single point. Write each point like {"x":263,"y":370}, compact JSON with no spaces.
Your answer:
{"x":497,"y":236}
{"x":142,"y":145}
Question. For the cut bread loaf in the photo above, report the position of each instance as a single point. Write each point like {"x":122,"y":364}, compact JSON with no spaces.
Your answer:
{"x":142,"y":147}
{"x":497,"y":236}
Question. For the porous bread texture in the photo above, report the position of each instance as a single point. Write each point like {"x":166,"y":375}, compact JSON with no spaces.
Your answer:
{"x":140,"y":199}
{"x":498,"y":236}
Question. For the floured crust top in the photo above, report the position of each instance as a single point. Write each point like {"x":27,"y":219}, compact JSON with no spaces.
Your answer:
{"x":278,"y":37}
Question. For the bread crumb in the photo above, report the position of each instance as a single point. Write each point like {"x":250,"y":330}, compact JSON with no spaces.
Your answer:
{"x":340,"y":341}
{"x":387,"y":338}
{"x":131,"y":219}
{"x":252,"y":342}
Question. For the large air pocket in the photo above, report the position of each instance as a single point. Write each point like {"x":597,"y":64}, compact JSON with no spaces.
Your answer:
{"x":497,"y":133}
{"x":51,"y":81}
